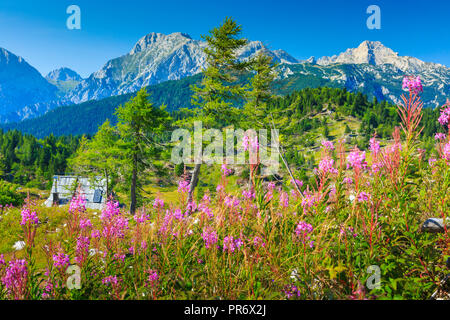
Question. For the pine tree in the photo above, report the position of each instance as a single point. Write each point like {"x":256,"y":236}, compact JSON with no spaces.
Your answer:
{"x":256,"y":108}
{"x":139,"y":122}
{"x":219,"y":87}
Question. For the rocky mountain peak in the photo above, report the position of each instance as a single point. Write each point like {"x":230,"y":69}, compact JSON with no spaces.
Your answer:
{"x":155,"y":38}
{"x":63,"y":74}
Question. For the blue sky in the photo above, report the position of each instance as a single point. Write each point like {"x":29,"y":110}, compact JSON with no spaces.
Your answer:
{"x":36,"y":30}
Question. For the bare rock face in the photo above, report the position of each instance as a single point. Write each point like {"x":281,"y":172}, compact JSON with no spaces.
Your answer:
{"x":23,"y":90}
{"x":435,"y":225}
{"x":155,"y":58}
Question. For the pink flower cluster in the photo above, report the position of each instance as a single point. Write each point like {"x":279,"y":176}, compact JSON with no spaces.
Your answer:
{"x":226,"y":171}
{"x":158,"y":203}
{"x":303,"y":231}
{"x":61,"y":260}
{"x":446,"y":152}
{"x":258,"y":242}
{"x":113,"y":222}
{"x":231,"y":244}
{"x":85,"y":223}
{"x":356,"y":159}
{"x":15,"y":278}
{"x":82,"y":249}
{"x":444,"y":118}
{"x":250,"y":142}
{"x":284,"y":199}
{"x":440,"y":136}
{"x":248,"y":194}
{"x":29,"y":217}
{"x":110,"y":280}
{"x":348,"y":180}
{"x":363,"y":196}
{"x":77,"y":203}
{"x":183,"y":186}
{"x":412,"y":84}
{"x":209,"y":237}
{"x":153,"y":277}
{"x":326,"y":166}
{"x":328,"y":145}
{"x":374,"y":146}
{"x":204,"y":206}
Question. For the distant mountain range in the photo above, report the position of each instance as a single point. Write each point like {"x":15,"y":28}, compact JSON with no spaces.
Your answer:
{"x":370,"y":68}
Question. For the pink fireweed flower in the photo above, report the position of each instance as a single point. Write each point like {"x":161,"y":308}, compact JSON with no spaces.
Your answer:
{"x":326,"y":166}
{"x":119,"y":257}
{"x":303,"y":231}
{"x":356,"y":159}
{"x":374,"y":146}
{"x":112,"y":209}
{"x":376,"y":167}
{"x":220,"y":188}
{"x":153,"y":277}
{"x":254,"y":144}
{"x":191,"y":207}
{"x":284,"y":199}
{"x":61,"y":260}
{"x":226,"y":172}
{"x":446,"y":152}
{"x":444,"y":118}
{"x":328,"y":145}
{"x":85,"y":223}
{"x":231,"y":244}
{"x":29,"y":217}
{"x":183,"y":186}
{"x":363,"y":196}
{"x":110,"y":280}
{"x":82,"y":249}
{"x":141,"y":217}
{"x":158,"y":203}
{"x":258,"y":242}
{"x":412,"y":84}
{"x":248,"y":194}
{"x":204,"y":206}
{"x":95,"y":234}
{"x":309,"y":200}
{"x":15,"y":278}
{"x":440,"y":136}
{"x":299,"y":182}
{"x":232,"y":202}
{"x":245,"y":142}
{"x":78,"y":203}
{"x":209,"y":237}
{"x":348,"y":180}
{"x":113,"y":222}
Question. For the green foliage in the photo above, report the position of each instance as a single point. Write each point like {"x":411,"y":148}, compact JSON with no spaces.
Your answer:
{"x":99,"y":157}
{"x":179,"y":169}
{"x":9,"y":194}
{"x":256,"y":113}
{"x":220,"y":86}
{"x":26,"y":160}
{"x":140,"y":126}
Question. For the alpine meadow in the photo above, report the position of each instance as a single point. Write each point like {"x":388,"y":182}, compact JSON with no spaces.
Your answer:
{"x":219,"y":169}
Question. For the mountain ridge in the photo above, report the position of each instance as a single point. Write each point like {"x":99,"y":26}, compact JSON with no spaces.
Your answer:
{"x":157,"y":57}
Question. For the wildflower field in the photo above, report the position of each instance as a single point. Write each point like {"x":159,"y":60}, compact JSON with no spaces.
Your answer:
{"x":271,"y":240}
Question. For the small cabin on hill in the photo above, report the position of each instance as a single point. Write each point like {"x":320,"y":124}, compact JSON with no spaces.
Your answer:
{"x":64,"y":188}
